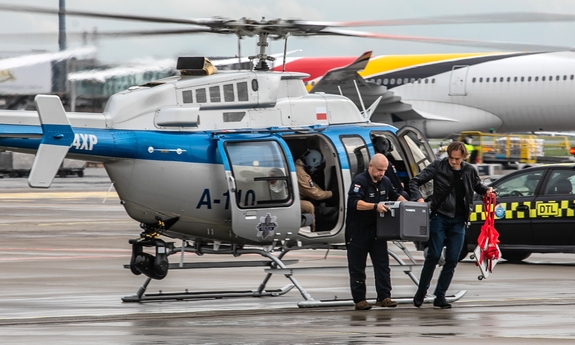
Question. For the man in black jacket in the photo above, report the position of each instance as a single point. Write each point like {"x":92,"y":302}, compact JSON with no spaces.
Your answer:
{"x":363,"y":207}
{"x":454,"y":181}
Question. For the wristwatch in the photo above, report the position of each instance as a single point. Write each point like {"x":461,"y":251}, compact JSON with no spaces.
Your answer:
{"x":375,"y":206}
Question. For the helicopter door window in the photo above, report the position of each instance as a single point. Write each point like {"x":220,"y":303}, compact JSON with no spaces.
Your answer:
{"x":261,"y":174}
{"x":187,"y":96}
{"x":229,"y":93}
{"x":357,"y":154}
{"x":201,"y":96}
{"x":215,"y":94}
{"x":243,"y":91}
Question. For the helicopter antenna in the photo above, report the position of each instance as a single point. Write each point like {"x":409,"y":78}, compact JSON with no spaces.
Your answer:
{"x":239,"y":52}
{"x":359,"y":95}
{"x":285,"y":52}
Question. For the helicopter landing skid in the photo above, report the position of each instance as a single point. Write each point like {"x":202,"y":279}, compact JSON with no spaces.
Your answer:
{"x":161,"y":296}
{"x":350,"y":303}
{"x":275,"y":261}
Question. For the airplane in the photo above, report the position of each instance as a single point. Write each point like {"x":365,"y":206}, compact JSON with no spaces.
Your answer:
{"x":208,"y":157}
{"x":445,"y":94}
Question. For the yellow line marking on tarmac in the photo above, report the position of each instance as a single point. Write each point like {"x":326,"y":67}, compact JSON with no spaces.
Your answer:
{"x":57,"y":195}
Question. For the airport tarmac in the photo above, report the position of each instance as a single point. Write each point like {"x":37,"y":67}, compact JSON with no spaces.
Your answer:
{"x":62,"y":252}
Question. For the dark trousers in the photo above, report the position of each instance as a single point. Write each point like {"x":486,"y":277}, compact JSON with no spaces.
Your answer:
{"x":448,"y":232}
{"x":357,"y":251}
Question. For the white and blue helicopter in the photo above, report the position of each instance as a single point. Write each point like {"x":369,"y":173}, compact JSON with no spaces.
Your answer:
{"x":208,"y":157}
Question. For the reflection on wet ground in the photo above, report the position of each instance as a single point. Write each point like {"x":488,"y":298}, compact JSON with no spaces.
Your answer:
{"x":62,"y":279}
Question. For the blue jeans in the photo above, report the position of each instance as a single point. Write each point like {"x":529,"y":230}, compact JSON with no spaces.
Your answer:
{"x":448,"y":232}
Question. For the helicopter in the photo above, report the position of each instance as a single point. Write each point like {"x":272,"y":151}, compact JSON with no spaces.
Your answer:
{"x":207,"y":157}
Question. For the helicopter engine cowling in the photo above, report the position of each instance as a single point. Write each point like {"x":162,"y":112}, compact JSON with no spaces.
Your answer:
{"x":155,"y":267}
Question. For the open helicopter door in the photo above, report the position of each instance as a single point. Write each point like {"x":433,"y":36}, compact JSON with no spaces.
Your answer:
{"x":261,"y":176}
{"x":418,"y":153}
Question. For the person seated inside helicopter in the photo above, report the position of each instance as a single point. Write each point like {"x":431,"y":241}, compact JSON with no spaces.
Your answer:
{"x":383,"y":145}
{"x":309,"y":163}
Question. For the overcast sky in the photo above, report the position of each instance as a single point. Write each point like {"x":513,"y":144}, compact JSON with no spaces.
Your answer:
{"x":118,"y":50}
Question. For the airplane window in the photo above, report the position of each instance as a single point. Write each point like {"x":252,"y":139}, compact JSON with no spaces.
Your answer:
{"x":481,"y":80}
{"x":398,"y":81}
{"x":550,"y":78}
{"x":201,"y":96}
{"x":501,"y":80}
{"x":413,"y":80}
{"x":242,"y":91}
{"x":564,"y":77}
{"x":385,"y":81}
{"x":378,"y":81}
{"x":426,"y":80}
{"x":419,"y":81}
{"x":229,"y":93}
{"x":215,"y":96}
{"x":528,"y":78}
{"x":522,"y":78}
{"x":487,"y":80}
{"x":473,"y":80}
{"x":515,"y":79}
{"x":571,"y":77}
{"x":543,"y":78}
{"x":256,"y":86}
{"x":392,"y":81}
{"x":433,"y":81}
{"x":405,"y":81}
{"x":536,"y":78}
{"x":187,"y":96}
{"x":557,"y":78}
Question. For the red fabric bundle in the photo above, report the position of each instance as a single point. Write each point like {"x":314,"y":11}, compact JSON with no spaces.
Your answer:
{"x":488,"y":239}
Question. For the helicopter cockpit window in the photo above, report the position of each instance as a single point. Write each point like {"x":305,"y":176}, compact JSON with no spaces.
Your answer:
{"x":201,"y":96}
{"x":242,"y":91}
{"x":187,"y":96}
{"x":229,"y":93}
{"x":215,"y":94}
{"x":261,"y":174}
{"x":357,"y":154}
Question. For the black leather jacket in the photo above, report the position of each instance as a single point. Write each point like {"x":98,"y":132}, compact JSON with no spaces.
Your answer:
{"x":443,"y":177}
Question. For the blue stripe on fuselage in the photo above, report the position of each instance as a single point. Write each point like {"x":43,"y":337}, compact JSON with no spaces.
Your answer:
{"x":196,"y":147}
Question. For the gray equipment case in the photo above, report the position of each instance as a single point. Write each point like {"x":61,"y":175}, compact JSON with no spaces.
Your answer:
{"x":404,"y":220}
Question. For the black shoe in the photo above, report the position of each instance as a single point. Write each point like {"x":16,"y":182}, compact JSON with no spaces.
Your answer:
{"x":441,"y":302}
{"x":418,"y":299}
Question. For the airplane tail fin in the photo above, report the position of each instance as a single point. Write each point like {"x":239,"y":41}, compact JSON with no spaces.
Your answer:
{"x":57,"y":136}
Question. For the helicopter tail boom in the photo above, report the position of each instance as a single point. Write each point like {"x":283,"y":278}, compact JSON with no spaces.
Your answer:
{"x":57,"y":136}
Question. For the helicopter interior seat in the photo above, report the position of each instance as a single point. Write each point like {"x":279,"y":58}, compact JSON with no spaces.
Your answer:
{"x":326,"y":210}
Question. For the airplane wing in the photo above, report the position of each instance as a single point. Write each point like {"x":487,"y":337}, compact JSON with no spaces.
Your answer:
{"x":346,"y":81}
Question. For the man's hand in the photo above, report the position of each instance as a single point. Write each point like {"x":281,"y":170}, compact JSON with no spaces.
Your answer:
{"x":420,"y":200}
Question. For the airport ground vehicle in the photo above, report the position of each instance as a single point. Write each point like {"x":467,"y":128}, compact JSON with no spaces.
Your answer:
{"x":522,"y":150}
{"x":16,"y":164}
{"x":535,"y":212}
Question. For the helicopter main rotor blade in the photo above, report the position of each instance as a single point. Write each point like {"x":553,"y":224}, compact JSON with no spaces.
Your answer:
{"x":514,"y":46}
{"x":216,"y":22}
{"x":483,"y":18}
{"x":44,"y":10}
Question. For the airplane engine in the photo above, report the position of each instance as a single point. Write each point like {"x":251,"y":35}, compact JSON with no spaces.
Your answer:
{"x":155,"y":267}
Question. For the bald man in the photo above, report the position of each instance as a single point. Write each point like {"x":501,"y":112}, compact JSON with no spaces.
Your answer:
{"x":367,"y":190}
